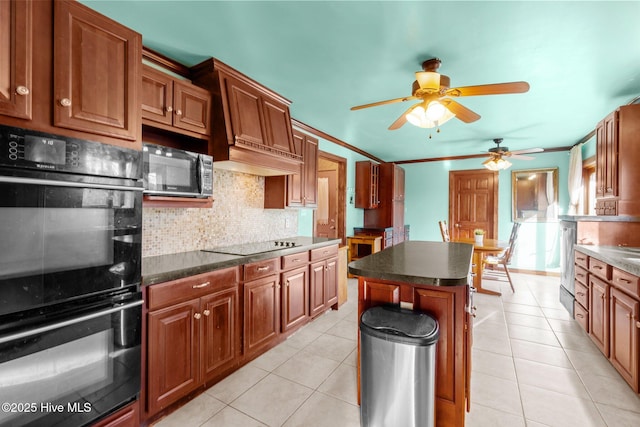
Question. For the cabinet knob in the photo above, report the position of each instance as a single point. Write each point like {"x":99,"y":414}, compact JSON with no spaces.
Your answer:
{"x":197,"y":316}
{"x":169,"y":108}
{"x":178,"y":112}
{"x":206,"y":312}
{"x":22,"y":90}
{"x":638,"y":325}
{"x":65,"y":102}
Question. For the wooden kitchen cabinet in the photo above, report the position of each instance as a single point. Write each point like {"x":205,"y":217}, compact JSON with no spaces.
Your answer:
{"x":599,"y":313}
{"x":625,"y":331}
{"x":129,"y":416}
{"x":367,"y":182}
{"x":174,"y":105}
{"x":96,"y":73}
{"x":323,"y":280}
{"x":251,"y":124}
{"x":385,"y":233}
{"x":453,"y":352}
{"x":261,"y":313}
{"x":390,"y":210}
{"x":193,"y":335}
{"x":16,"y":50}
{"x":617,"y":156}
{"x":295,"y":298}
{"x":299,"y":189}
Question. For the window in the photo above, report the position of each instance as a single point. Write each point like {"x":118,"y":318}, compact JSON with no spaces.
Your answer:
{"x":588,"y":198}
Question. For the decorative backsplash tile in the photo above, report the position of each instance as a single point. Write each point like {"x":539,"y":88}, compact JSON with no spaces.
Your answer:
{"x":237,"y":216}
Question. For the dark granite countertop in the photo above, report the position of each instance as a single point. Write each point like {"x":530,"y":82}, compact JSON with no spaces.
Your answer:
{"x":624,"y":258}
{"x":416,"y":262}
{"x":162,"y":268}
{"x":599,"y":218}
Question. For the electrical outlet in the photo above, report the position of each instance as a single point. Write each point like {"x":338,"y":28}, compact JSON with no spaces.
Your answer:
{"x":287,"y":223}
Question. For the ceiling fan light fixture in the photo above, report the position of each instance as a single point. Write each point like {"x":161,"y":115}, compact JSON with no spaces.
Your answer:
{"x":428,"y":80}
{"x":434,"y":115}
{"x":497,"y":164}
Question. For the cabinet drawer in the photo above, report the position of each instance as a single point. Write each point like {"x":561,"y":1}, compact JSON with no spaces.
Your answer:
{"x":175,"y":291}
{"x":600,"y":268}
{"x":627,"y":282}
{"x":581,"y":315}
{"x":325,"y":252}
{"x":295,"y":260}
{"x":260,"y":269}
{"x":581,"y":259}
{"x":581,"y":275}
{"x":582,"y":294}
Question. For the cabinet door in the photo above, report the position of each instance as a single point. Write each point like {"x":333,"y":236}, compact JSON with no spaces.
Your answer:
{"x":317,"y":288}
{"x":277,"y":126}
{"x":331,"y":281}
{"x":375,"y":293}
{"x":192,"y":107}
{"x":599,"y":313}
{"x":261,"y":313}
{"x":220,"y":330}
{"x":398,"y":183}
{"x":295,"y":298}
{"x":157,"y":96}
{"x":295,"y":182}
{"x":310,"y":183}
{"x":611,"y":147}
{"x":245,"y":111}
{"x":601,"y":159}
{"x":367,"y":184}
{"x":624,"y":336}
{"x":173,"y":365}
{"x":97,"y":71}
{"x":15,"y":58}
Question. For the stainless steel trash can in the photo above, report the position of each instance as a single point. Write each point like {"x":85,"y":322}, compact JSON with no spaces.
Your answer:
{"x":397,"y":367}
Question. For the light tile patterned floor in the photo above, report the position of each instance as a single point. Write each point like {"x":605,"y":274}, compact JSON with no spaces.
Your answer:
{"x":532,"y":366}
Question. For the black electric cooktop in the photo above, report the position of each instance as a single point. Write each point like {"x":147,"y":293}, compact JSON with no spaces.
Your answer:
{"x":254,"y":247}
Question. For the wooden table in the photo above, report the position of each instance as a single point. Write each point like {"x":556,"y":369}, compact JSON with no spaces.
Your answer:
{"x":488,"y":247}
{"x":363,"y":245}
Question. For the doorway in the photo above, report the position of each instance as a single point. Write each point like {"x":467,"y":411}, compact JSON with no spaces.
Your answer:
{"x":473,"y":203}
{"x":329,"y":219}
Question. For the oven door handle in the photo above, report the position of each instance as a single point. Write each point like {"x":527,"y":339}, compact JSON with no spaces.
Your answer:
{"x":37,"y":181}
{"x":35,"y":331}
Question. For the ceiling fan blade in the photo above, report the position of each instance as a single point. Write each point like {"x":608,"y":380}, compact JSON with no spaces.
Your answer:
{"x":461,"y":112}
{"x":402,"y":119}
{"x":388,"y":101}
{"x":519,"y":156}
{"x":490,"y":89}
{"x":528,"y":150}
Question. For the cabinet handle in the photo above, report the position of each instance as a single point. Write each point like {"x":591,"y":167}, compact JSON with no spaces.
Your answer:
{"x":579,"y":315}
{"x":169,"y":108}
{"x":201,"y":285}
{"x":22,"y":90}
{"x":178,"y":112}
{"x":581,"y":294}
{"x":295,"y":260}
{"x":624,"y":280}
{"x":197,"y":316}
{"x":599,"y":267}
{"x":65,"y":102}
{"x":206,"y":312}
{"x":264,"y":268}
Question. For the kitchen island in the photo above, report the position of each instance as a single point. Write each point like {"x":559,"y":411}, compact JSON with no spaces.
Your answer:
{"x":432,"y":277}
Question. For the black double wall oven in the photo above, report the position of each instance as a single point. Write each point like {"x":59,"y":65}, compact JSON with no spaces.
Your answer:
{"x":70,"y":258}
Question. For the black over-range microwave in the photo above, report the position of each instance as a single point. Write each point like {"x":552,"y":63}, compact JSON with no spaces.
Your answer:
{"x":172,"y":172}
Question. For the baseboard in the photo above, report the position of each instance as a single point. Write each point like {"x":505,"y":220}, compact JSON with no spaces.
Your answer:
{"x":534,"y":272}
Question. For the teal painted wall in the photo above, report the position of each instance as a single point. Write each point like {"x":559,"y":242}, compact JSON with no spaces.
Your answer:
{"x":427,"y":202}
{"x":355,"y":216}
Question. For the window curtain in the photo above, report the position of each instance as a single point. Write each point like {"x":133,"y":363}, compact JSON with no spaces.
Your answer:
{"x":575,"y":178}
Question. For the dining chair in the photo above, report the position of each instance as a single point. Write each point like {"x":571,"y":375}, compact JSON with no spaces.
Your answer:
{"x":497,"y":266}
{"x":444,"y":231}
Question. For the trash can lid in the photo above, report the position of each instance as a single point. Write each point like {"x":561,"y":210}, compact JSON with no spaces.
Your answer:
{"x":393,"y":323}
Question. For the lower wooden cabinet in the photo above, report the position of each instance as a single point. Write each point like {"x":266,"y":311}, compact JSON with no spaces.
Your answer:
{"x":323,"y":285}
{"x":623,"y":352}
{"x":129,"y":416}
{"x":192,"y":334}
{"x":261,"y":313}
{"x":599,"y":313}
{"x":295,"y":298}
{"x":453,"y":351}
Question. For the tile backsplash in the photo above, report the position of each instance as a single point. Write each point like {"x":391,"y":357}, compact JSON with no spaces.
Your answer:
{"x":237,"y":216}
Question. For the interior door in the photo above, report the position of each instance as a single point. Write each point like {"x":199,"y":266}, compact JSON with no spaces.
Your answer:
{"x":326,"y":216}
{"x":473,"y":203}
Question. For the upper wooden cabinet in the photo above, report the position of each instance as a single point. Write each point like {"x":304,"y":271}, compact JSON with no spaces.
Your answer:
{"x":299,"y":189}
{"x":367,"y":179}
{"x":97,"y":64}
{"x":16,"y":49}
{"x":69,"y":70}
{"x":174,"y":105}
{"x":617,"y":155}
{"x":390,"y":211}
{"x":251,"y":124}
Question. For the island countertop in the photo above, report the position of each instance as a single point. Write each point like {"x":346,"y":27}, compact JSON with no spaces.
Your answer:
{"x":418,"y":262}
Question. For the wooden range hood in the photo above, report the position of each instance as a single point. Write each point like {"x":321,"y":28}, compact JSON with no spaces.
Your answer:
{"x":251,"y":124}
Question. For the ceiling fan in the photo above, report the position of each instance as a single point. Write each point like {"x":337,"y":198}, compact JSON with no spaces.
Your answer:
{"x":497,"y":154}
{"x":436,"y":105}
